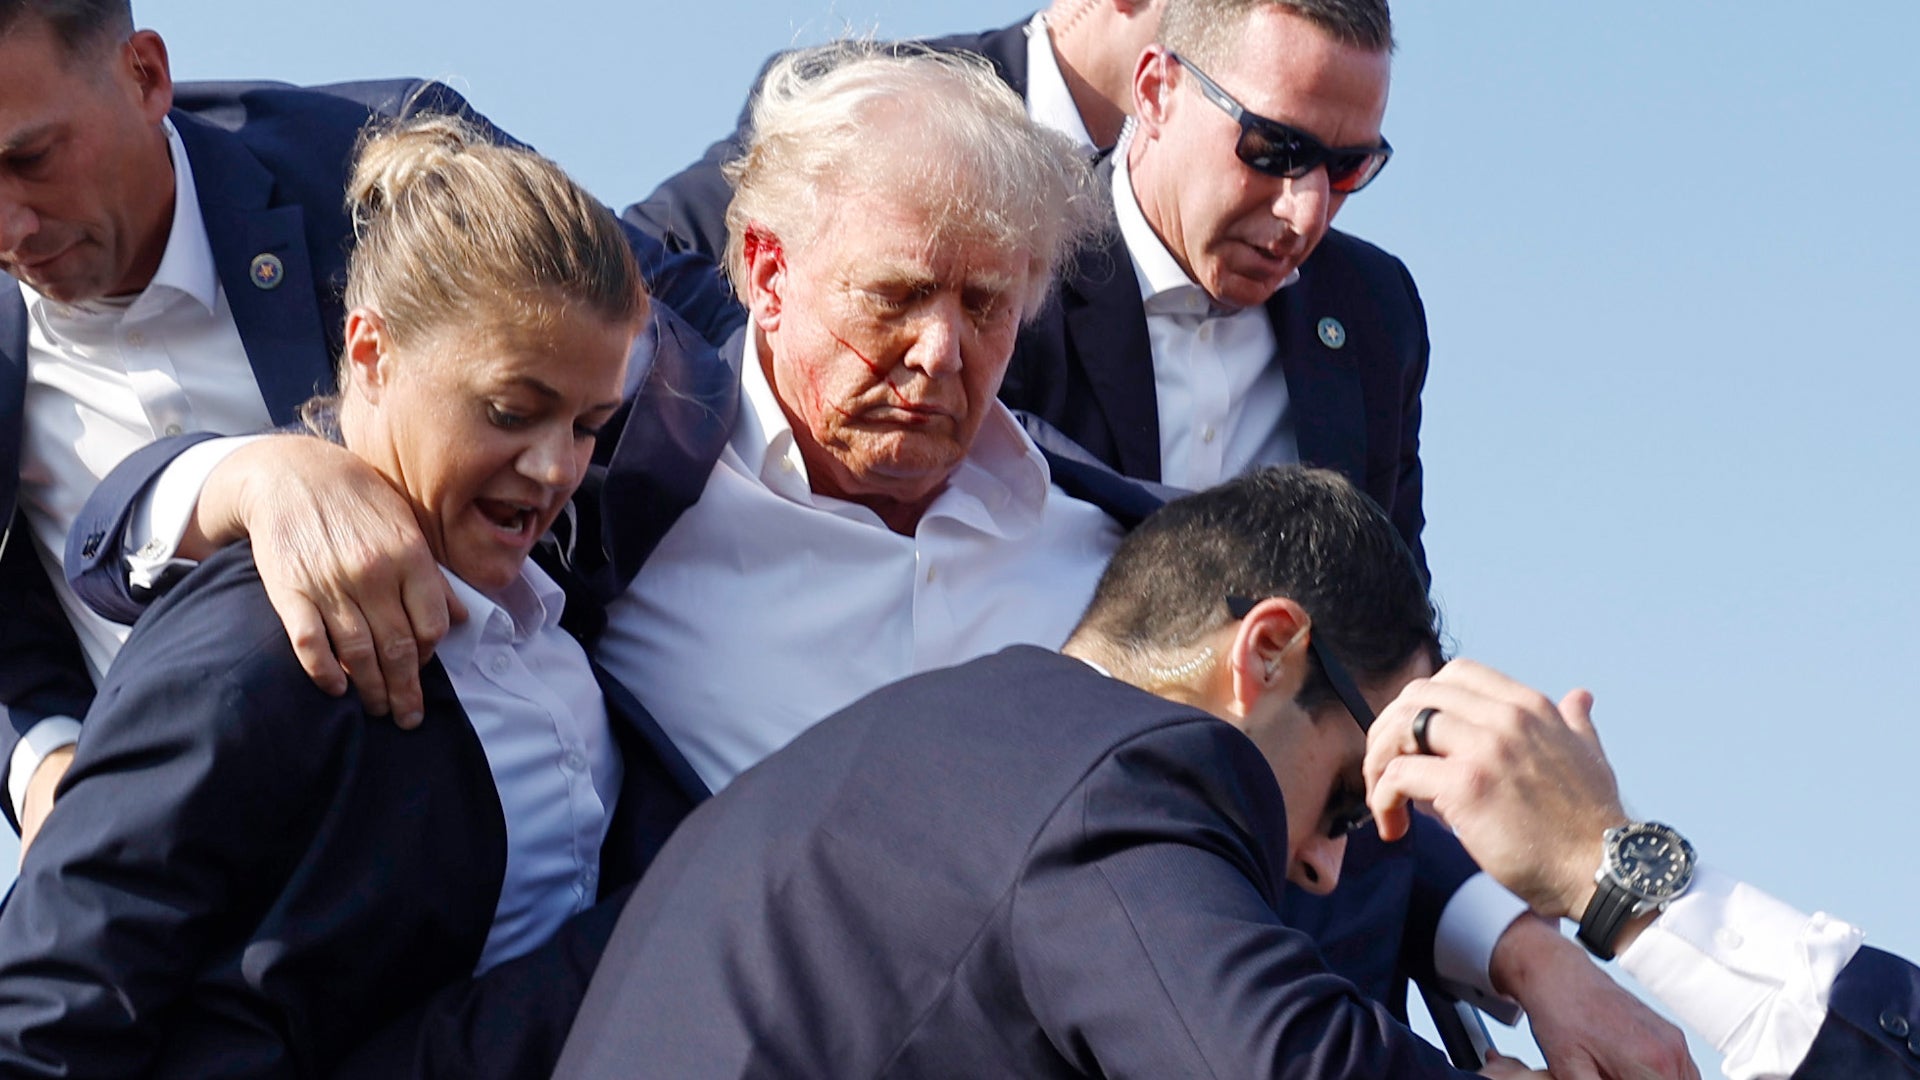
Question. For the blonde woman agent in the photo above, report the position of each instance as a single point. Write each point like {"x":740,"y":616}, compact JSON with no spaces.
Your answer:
{"x":245,"y":876}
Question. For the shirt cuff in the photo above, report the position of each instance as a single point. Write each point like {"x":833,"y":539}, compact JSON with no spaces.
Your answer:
{"x":40,"y":740}
{"x":1745,"y":970}
{"x":1475,"y":918}
{"x":163,"y":510}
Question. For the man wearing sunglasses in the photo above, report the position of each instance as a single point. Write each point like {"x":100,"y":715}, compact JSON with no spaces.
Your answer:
{"x":1221,"y":324}
{"x":1050,"y":865}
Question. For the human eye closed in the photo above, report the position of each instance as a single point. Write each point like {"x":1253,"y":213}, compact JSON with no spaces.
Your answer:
{"x":984,"y":304}
{"x":505,"y":417}
{"x":28,"y":161}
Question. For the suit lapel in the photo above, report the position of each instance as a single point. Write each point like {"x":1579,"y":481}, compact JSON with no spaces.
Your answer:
{"x":281,"y":326}
{"x":1107,"y":324}
{"x":13,"y":394}
{"x":1324,"y":395}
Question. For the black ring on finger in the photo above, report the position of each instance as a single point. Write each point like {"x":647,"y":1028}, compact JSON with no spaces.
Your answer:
{"x":1420,"y":721}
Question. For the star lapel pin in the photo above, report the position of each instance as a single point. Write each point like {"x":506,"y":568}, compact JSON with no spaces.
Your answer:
{"x":1332,"y":334}
{"x":267,"y":272}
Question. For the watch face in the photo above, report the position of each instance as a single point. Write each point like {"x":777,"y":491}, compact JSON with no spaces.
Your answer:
{"x":1651,"y":861}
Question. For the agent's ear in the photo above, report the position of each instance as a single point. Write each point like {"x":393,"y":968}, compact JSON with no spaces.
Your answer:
{"x":145,"y":57}
{"x":367,"y":367}
{"x":766,"y":260}
{"x":1269,"y":652}
{"x":1152,"y":89}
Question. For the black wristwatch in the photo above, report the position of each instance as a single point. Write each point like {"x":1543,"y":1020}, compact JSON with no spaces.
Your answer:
{"x":1646,"y":865}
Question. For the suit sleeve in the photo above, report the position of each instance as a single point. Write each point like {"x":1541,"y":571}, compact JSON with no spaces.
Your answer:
{"x":1872,"y":1030}
{"x":96,"y":562}
{"x":688,"y":211}
{"x":42,"y":670}
{"x":1149,"y":940}
{"x":175,"y":813}
{"x":1409,"y":515}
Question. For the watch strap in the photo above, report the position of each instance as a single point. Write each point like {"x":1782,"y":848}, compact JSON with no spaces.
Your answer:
{"x":1606,"y":915}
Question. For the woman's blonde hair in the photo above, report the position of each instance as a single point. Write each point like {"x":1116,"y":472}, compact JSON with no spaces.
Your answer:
{"x":451,"y":227}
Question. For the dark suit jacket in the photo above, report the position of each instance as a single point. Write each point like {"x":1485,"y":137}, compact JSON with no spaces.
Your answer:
{"x":1376,"y":930}
{"x":688,"y":211}
{"x":1086,"y":366}
{"x":1015,"y":867}
{"x":270,"y":163}
{"x":245,"y":876}
{"x":1873,"y":1023}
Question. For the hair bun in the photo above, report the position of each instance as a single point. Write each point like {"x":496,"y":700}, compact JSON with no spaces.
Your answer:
{"x":393,"y":159}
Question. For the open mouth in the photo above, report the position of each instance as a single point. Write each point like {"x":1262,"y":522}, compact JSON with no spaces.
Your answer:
{"x":517,"y":520}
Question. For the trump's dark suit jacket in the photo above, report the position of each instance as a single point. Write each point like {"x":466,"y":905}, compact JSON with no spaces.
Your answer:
{"x":1086,"y":367}
{"x":688,"y":211}
{"x":270,"y":164}
{"x":245,"y":877}
{"x":1014,"y":867}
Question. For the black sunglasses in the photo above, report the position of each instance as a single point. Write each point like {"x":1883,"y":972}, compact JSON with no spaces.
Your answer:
{"x":1283,"y":150}
{"x":1348,"y":810}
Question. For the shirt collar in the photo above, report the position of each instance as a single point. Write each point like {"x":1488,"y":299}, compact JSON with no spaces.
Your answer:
{"x":1049,"y":102}
{"x":1001,"y":486}
{"x":528,"y":605}
{"x":1164,"y":286}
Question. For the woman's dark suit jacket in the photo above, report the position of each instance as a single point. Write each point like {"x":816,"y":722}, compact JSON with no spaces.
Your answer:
{"x":247,"y":877}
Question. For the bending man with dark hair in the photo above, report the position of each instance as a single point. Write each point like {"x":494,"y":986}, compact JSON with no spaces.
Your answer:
{"x":1039,"y":864}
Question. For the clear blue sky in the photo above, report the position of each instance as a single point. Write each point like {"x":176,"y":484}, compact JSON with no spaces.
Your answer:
{"x":1669,"y":436}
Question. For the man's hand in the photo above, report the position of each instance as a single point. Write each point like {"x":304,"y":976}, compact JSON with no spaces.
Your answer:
{"x":1587,"y":1025}
{"x":1523,"y":783}
{"x":39,"y":801}
{"x":1506,"y":1068}
{"x":343,"y":562}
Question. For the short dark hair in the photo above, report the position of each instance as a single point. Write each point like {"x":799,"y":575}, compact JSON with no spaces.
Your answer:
{"x":1305,"y":534}
{"x":1208,"y":30}
{"x":78,"y":24}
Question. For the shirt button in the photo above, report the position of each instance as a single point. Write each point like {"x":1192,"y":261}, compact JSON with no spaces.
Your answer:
{"x":932,"y":572}
{"x":174,"y":429}
{"x":1206,"y":332}
{"x":500,"y":663}
{"x":574,"y":762}
{"x":1728,"y":939}
{"x":136,"y":339}
{"x":589,"y":879}
{"x":1207,"y":434}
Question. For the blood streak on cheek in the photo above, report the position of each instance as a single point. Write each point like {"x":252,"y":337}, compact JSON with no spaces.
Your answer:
{"x":879,"y":376}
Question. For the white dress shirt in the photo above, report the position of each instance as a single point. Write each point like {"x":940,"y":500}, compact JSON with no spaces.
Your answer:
{"x":768,"y":607}
{"x":1049,"y":102}
{"x":1221,"y":397}
{"x":107,"y":377}
{"x":1746,"y":971}
{"x":530,"y":694}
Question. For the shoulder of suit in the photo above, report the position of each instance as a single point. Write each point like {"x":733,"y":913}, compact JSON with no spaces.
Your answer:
{"x":1344,"y":247}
